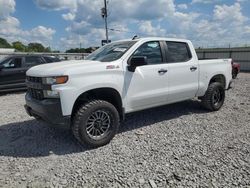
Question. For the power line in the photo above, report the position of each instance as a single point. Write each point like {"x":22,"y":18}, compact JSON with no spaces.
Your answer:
{"x":126,"y":31}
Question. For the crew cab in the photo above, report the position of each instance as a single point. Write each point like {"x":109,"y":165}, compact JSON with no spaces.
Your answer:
{"x":92,"y":96}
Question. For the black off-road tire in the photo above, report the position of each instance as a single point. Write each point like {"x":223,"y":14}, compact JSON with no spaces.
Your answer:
{"x":82,"y":115}
{"x":208,"y":101}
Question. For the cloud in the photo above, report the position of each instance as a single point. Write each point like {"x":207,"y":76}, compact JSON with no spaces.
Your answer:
{"x":182,"y":6}
{"x":6,"y":8}
{"x":74,"y":40}
{"x":43,"y":33}
{"x":129,"y":18}
{"x":56,"y":4}
{"x":206,"y":1}
{"x":219,"y":25}
{"x":10,"y":27}
{"x":227,"y":25}
{"x":69,"y":16}
{"x":147,"y":28}
{"x":231,"y":13}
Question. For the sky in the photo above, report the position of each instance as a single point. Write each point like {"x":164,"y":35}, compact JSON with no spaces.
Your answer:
{"x":64,"y":24}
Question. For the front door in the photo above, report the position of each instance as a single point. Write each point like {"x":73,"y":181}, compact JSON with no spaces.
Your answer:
{"x":147,"y":86}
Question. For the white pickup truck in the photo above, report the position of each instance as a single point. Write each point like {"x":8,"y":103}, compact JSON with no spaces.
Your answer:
{"x":92,"y":96}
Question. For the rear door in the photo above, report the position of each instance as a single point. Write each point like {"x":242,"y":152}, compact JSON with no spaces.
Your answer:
{"x":147,"y":86}
{"x":182,"y":71}
{"x":13,"y":72}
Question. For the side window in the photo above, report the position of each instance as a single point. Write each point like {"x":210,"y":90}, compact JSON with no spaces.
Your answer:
{"x":51,"y":59}
{"x":32,"y":61}
{"x":152,"y":51}
{"x":178,"y":52}
{"x":13,"y":63}
{"x":48,"y":60}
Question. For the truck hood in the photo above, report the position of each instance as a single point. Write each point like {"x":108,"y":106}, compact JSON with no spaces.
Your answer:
{"x":63,"y":67}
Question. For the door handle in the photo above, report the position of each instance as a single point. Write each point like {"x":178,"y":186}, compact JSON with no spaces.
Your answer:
{"x":162,"y":71}
{"x":22,"y":71}
{"x":193,"y":68}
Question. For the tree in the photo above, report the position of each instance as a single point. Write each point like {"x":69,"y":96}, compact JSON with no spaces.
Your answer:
{"x":82,"y":50}
{"x":4,"y":43}
{"x":48,"y":49}
{"x":37,"y":47}
{"x":19,"y":46}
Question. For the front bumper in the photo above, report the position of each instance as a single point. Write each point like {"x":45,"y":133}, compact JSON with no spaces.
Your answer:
{"x":48,"y":110}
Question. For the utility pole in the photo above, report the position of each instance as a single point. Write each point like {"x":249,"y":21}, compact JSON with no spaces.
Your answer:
{"x":105,"y":15}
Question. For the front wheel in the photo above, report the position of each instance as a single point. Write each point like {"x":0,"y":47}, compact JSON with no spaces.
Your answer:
{"x":95,"y":123}
{"x":214,"y":96}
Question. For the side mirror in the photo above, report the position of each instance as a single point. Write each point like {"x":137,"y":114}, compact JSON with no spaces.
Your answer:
{"x":136,"y":62}
{"x":1,"y":67}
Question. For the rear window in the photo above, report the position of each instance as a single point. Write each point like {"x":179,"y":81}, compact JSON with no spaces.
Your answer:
{"x":178,"y":52}
{"x":51,"y":59}
{"x":32,"y":61}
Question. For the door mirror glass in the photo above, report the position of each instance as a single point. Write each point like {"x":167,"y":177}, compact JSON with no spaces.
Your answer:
{"x":137,"y":61}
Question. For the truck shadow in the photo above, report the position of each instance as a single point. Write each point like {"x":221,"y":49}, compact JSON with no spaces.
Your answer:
{"x":36,"y":139}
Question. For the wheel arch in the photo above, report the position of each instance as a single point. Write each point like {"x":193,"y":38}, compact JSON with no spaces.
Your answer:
{"x":108,"y":94}
{"x":218,"y":78}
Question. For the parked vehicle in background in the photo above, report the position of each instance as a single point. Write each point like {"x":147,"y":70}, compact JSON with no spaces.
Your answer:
{"x":92,"y":96}
{"x":13,"y":69}
{"x":235,"y":69}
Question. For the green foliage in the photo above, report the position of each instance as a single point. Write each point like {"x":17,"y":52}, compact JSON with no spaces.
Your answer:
{"x":82,"y":50}
{"x":4,"y":43}
{"x":36,"y":47}
{"x":19,"y":46}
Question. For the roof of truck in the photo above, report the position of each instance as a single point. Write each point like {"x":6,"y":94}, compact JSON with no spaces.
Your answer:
{"x":155,"y":38}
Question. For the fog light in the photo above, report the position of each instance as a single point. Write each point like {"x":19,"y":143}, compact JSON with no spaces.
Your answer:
{"x":51,"y":94}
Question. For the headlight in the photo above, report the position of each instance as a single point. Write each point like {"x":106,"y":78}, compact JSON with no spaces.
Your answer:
{"x":51,"y":94}
{"x":55,"y":80}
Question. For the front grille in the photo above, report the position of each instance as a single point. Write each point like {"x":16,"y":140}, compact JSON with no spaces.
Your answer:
{"x":36,"y":93}
{"x":33,"y":83}
{"x":34,"y":79}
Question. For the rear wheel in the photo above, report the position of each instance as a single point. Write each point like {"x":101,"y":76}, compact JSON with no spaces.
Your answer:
{"x":214,"y":96}
{"x":95,"y":123}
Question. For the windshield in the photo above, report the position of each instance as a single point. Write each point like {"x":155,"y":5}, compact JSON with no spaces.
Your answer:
{"x":4,"y":60}
{"x":111,"y":52}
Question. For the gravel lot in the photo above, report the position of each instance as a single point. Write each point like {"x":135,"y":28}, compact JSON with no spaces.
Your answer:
{"x":177,"y":145}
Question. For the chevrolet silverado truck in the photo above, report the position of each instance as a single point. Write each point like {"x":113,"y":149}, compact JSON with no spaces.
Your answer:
{"x":92,"y":96}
